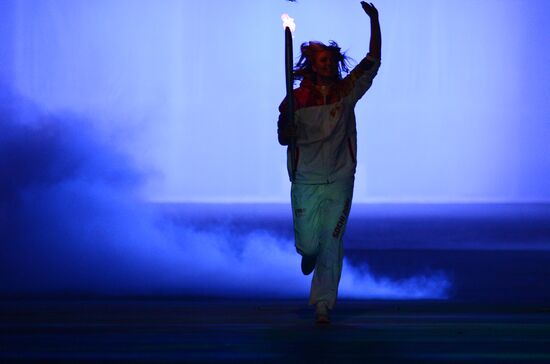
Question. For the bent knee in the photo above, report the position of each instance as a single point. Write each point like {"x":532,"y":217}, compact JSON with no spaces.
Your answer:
{"x":308,"y":249}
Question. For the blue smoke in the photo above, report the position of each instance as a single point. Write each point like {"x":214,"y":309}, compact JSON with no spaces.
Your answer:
{"x":72,"y":222}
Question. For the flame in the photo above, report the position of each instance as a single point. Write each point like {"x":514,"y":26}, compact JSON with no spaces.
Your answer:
{"x":288,"y":22}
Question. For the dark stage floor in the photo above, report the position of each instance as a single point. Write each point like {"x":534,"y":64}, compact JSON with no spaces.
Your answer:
{"x":253,"y":331}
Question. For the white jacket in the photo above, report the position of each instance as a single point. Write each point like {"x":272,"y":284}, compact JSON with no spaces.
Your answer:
{"x":326,"y":144}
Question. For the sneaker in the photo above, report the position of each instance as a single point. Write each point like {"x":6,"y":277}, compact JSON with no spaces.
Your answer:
{"x":321,"y":313}
{"x":322,"y":319}
{"x":308,"y":263}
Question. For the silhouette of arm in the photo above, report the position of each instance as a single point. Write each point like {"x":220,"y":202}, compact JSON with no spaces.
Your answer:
{"x":375,"y":46}
{"x":285,"y":131}
{"x":359,"y":80}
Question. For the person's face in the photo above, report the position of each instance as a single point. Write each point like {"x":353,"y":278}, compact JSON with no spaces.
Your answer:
{"x":324,"y":65}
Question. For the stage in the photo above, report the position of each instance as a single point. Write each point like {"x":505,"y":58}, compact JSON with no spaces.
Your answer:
{"x":497,"y":308}
{"x":248,"y":330}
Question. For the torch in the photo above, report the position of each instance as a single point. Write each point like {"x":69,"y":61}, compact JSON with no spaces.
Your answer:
{"x":288,"y":24}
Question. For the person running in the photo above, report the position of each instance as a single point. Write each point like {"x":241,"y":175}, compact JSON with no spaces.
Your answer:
{"x":325,"y":156}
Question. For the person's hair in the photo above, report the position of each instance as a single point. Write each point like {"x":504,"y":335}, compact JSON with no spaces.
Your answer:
{"x":303,"y":68}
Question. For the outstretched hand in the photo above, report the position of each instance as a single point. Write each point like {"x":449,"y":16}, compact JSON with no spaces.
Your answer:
{"x":371,"y":11}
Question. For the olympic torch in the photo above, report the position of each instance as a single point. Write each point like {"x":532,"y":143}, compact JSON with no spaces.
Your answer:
{"x":288,"y":24}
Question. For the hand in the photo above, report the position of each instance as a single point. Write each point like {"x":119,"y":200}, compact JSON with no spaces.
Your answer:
{"x":371,"y":11}
{"x":286,"y":134}
{"x":291,"y":131}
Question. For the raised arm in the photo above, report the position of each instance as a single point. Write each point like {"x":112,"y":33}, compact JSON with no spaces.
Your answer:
{"x":375,"y":46}
{"x":359,"y":80}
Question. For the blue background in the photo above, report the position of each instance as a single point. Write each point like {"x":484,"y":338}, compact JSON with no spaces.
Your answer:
{"x":459,"y":111}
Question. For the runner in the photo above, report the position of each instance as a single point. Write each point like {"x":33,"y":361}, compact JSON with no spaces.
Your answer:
{"x":326,"y":140}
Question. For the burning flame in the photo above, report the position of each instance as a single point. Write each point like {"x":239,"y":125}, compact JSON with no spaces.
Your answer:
{"x":288,"y":22}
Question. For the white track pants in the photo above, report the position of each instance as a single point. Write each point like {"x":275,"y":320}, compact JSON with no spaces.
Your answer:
{"x":320,"y":214}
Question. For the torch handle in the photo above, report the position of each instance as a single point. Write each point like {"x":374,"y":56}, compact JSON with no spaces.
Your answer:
{"x":289,"y":65}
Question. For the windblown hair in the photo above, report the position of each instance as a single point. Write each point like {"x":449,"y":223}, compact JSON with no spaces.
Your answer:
{"x":304,"y":70}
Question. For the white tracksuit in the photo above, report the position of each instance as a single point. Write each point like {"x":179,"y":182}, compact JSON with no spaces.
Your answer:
{"x":326,"y":161}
